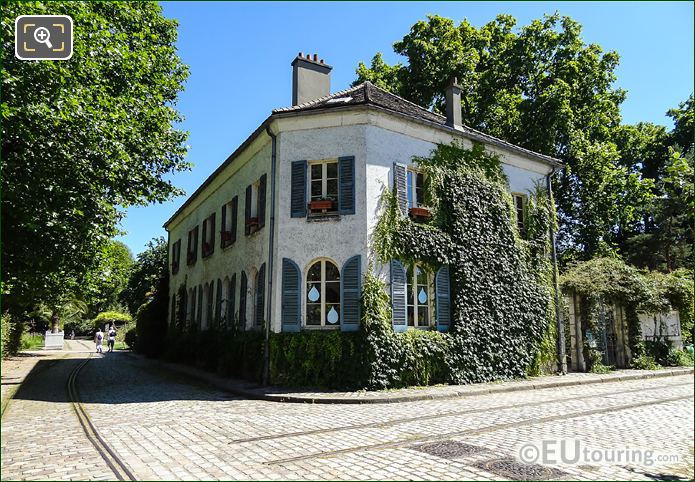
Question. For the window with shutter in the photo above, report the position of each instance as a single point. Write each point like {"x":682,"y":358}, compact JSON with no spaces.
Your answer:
{"x":242,"y":300}
{"x":231,"y":308}
{"x":172,"y":312}
{"x":199,"y":315}
{"x":217,"y":320}
{"x":208,"y":236}
{"x":261,"y":200}
{"x":346,"y":181}
{"x":259,"y":312}
{"x":519,"y":209}
{"x":350,"y":294}
{"x":398,"y":296}
{"x":192,"y":248}
{"x":298,"y":189}
{"x":443,"y":299}
{"x":291,"y":296}
{"x":323,"y":294}
{"x":400,"y":185}
{"x":175,"y":257}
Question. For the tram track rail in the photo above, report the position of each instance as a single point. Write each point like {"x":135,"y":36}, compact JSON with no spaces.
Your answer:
{"x":445,"y":414}
{"x":113,"y":461}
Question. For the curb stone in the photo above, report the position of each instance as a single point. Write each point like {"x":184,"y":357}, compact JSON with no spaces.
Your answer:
{"x":256,"y":392}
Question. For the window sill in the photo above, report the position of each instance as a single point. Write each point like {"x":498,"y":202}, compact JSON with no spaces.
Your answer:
{"x":321,"y":328}
{"x":322,"y":217}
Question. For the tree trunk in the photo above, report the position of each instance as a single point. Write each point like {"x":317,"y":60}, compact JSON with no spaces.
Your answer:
{"x":55,"y":323}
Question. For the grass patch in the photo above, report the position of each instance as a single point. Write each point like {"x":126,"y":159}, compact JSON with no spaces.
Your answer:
{"x":120,"y":345}
{"x":31,"y":341}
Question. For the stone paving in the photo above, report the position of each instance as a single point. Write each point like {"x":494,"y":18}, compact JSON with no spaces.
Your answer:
{"x":166,"y":426}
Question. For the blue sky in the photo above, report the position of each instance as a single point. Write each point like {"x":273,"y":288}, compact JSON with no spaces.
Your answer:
{"x":239,"y":56}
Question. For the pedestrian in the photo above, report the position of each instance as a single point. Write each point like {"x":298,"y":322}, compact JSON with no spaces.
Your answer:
{"x":112,"y":337}
{"x":98,"y":338}
{"x":72,"y":335}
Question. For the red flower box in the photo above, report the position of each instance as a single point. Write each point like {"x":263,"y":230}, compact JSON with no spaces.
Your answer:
{"x":226,"y":236}
{"x":321,"y":205}
{"x":421,"y":213}
{"x":252,"y":222}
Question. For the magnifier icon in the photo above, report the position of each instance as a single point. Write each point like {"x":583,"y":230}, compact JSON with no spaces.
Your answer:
{"x":43,"y":36}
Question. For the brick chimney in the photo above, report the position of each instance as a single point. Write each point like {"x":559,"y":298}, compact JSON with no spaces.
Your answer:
{"x":311,"y":78}
{"x":453,"y":104}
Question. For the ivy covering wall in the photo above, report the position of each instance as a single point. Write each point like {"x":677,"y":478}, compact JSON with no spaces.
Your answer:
{"x":500,"y":278}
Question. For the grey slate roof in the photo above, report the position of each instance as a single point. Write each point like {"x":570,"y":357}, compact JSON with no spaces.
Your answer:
{"x":371,"y":95}
{"x":366,"y":94}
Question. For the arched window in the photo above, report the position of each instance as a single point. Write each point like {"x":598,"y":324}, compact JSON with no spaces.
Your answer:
{"x":323,"y":294}
{"x":418,"y":295}
{"x":224,"y":302}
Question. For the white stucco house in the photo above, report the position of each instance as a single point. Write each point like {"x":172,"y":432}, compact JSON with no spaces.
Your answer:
{"x":280,"y":231}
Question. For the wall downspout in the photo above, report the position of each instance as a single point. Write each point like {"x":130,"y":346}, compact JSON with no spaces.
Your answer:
{"x":560,"y":342}
{"x":271,"y":240}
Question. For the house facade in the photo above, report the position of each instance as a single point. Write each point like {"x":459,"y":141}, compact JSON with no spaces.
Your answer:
{"x":280,"y":232}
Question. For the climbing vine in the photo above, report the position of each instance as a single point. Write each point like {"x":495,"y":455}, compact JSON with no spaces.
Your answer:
{"x":501,"y":298}
{"x":609,"y":280}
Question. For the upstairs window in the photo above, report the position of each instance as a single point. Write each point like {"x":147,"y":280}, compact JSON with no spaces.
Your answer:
{"x":192,"y":248}
{"x":323,"y":294}
{"x":519,"y":207}
{"x":175,"y":256}
{"x":229,"y":222}
{"x":323,"y":181}
{"x":254,"y":210}
{"x":416,"y":188}
{"x":418,"y":297}
{"x":209,"y":235}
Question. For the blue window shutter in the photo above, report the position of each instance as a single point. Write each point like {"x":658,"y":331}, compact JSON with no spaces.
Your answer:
{"x":263,"y":181}
{"x":350,"y":288}
{"x":199,"y":316}
{"x":218,"y":303}
{"x":242,"y":301}
{"x":247,"y":209}
{"x":398,"y":289}
{"x":260,"y":296}
{"x":298,"y":186}
{"x":346,"y":185}
{"x":400,"y":185}
{"x":443,"y":299}
{"x":231,"y":301}
{"x":291,"y":296}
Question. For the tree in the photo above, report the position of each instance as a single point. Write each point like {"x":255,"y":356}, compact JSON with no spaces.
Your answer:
{"x":663,"y":237}
{"x":541,"y":87}
{"x":145,"y":274}
{"x":106,"y":283}
{"x":82,"y":139}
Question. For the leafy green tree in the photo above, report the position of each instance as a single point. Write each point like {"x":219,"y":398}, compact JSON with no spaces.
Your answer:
{"x":106,"y":283}
{"x":662,"y":238}
{"x":541,"y":87}
{"x":82,"y":139}
{"x":145,"y":274}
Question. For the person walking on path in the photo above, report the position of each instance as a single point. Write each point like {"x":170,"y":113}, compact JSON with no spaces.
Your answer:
{"x":98,"y":338}
{"x":112,"y":338}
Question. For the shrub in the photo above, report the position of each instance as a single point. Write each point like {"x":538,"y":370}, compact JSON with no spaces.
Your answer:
{"x":81,"y":327}
{"x":111,"y":318}
{"x":645,"y":362}
{"x":324,"y":359}
{"x":131,"y":337}
{"x":679,"y":358}
{"x":12,"y":330}
{"x":151,"y":321}
{"x":658,"y":349}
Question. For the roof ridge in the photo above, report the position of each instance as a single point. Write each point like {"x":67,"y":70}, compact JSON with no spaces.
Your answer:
{"x":403,"y":99}
{"x":320,"y":99}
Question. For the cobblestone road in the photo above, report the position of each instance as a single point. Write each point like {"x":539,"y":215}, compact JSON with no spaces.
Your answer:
{"x":167,"y":427}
